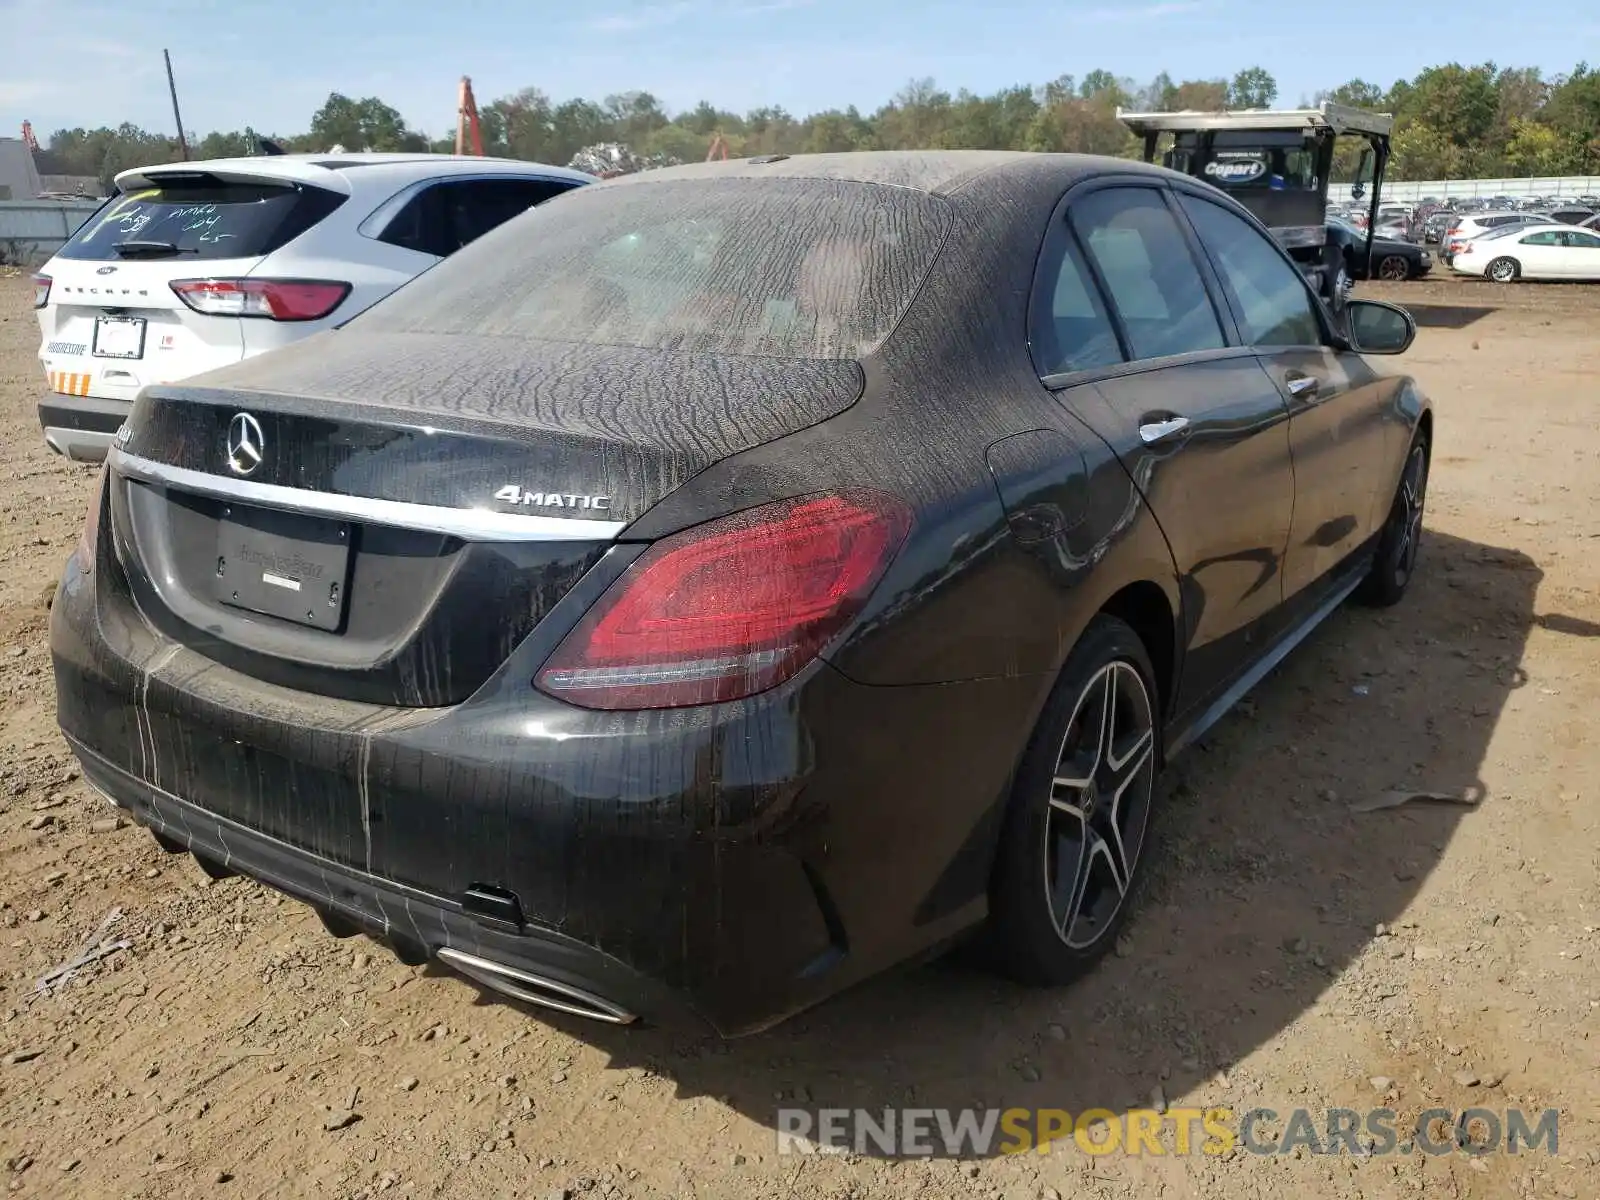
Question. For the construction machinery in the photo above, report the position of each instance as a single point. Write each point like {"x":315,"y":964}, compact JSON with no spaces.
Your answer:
{"x":468,"y":131}
{"x":1279,"y":164}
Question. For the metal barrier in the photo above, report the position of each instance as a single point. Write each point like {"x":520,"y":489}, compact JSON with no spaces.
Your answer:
{"x":32,"y":230}
{"x":1476,"y":189}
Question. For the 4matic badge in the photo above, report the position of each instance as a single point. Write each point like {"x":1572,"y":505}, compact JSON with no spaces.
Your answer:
{"x":513,"y":494}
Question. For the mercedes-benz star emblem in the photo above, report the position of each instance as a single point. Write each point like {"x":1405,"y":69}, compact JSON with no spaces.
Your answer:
{"x":245,"y":444}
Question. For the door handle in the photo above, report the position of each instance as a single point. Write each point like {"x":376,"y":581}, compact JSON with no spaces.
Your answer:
{"x":1302,"y":385}
{"x":1152,"y":432}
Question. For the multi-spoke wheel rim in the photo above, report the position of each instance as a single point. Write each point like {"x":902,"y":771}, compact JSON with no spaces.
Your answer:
{"x":1099,"y":804}
{"x":1393,"y":267}
{"x":1502,"y":272}
{"x":1413,"y":496}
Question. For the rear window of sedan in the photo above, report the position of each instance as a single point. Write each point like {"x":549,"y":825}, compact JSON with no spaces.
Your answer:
{"x":790,"y":268}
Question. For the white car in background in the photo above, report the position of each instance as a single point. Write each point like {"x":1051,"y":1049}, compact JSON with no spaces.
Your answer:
{"x":1554,"y":251}
{"x":1472,"y":225}
{"x":193,"y":266}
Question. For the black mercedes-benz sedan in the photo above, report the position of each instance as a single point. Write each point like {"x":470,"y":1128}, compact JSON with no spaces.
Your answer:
{"x":722,"y":583}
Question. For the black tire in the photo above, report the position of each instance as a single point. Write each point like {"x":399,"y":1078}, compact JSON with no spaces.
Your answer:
{"x":1400,"y":541}
{"x":1027,"y":939}
{"x":1394,"y":267}
{"x":1504,"y":270}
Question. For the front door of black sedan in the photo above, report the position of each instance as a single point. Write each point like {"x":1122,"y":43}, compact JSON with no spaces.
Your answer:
{"x":1198,"y":425}
{"x":1337,"y":426}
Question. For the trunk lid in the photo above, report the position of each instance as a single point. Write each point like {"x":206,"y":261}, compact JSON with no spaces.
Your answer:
{"x":450,"y":490}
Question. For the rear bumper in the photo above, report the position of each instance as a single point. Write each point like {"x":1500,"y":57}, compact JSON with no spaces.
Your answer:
{"x":81,"y":427}
{"x":414,"y":925}
{"x":739,"y":863}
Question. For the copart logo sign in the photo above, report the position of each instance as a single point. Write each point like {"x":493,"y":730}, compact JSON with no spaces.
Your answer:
{"x":1235,"y":170}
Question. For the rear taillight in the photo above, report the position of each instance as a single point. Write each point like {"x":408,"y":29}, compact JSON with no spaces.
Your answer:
{"x":41,"y":290}
{"x":272,"y":299}
{"x":729,"y":608}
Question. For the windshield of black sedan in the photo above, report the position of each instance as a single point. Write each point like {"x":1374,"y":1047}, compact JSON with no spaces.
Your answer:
{"x":780,"y":268}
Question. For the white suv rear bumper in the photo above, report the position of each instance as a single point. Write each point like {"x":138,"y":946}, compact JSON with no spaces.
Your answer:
{"x":81,"y":428}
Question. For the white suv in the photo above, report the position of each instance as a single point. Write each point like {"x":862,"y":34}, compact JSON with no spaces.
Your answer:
{"x":192,"y":266}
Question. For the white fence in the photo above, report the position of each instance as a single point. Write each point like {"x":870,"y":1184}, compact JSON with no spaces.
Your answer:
{"x":32,"y":230}
{"x":1473,"y":189}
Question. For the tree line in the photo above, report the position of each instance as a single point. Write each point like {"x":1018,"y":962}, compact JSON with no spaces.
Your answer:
{"x":1451,"y":122}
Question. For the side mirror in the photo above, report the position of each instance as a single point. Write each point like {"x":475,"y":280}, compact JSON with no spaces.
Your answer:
{"x":1379,"y":328}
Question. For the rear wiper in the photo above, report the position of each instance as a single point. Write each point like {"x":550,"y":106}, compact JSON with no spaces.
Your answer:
{"x":151,"y":249}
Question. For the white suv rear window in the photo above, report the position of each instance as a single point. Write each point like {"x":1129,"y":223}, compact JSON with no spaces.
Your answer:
{"x":201,"y":217}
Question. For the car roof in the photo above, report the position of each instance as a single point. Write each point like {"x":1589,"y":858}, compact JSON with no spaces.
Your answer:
{"x":940,"y":172}
{"x":350,"y":172}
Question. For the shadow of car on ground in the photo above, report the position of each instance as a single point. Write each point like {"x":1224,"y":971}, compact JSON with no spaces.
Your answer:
{"x":1264,"y":888}
{"x":1448,"y":316}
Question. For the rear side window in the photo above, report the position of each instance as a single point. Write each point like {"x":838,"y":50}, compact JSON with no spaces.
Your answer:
{"x":201,"y":218}
{"x":1071,"y":329}
{"x":767,"y":267}
{"x":1154,"y":283}
{"x":446,"y":216}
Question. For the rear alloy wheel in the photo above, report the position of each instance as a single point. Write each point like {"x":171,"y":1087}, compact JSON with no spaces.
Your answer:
{"x":1393,"y":267}
{"x":1401,"y":538}
{"x":1079,"y":814}
{"x":1504,"y":270}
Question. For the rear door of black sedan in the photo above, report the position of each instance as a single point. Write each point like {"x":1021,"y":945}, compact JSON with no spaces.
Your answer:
{"x":1129,"y":329}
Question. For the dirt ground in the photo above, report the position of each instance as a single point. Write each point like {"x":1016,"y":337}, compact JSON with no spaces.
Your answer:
{"x":1291,"y":953}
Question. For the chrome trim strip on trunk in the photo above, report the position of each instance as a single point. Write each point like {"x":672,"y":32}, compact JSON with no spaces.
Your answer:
{"x":472,"y":524}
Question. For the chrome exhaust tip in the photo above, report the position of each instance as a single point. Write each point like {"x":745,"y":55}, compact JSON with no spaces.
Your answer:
{"x":536,"y":989}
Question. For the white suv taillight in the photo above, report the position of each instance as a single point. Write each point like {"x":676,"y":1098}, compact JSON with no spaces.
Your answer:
{"x":41,"y":290}
{"x":271,"y":299}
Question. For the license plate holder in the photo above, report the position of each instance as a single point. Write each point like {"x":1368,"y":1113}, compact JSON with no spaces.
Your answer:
{"x":119,"y":337}
{"x":283,"y":565}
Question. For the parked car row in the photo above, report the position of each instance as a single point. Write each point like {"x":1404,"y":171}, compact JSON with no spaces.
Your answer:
{"x":1430,"y":221}
{"x":717,"y":585}
{"x":193,"y":266}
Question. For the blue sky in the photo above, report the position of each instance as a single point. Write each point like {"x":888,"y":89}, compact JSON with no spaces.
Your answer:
{"x":270,"y":63}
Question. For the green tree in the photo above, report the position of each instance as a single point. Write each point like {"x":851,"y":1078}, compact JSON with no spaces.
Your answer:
{"x":358,"y":125}
{"x":1450,"y":121}
{"x":1252,"y":87}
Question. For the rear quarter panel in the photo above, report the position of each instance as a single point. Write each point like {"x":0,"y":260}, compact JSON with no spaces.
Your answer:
{"x":966,"y":598}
